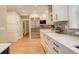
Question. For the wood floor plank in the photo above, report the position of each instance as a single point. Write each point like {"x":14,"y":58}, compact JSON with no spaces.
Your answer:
{"x":27,"y":46}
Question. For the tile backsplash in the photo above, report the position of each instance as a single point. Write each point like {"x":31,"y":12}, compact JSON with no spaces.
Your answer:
{"x":65,"y":27}
{"x":62,"y":25}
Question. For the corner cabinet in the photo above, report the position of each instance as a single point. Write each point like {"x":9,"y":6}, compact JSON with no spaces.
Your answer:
{"x":60,"y":12}
{"x":74,"y":17}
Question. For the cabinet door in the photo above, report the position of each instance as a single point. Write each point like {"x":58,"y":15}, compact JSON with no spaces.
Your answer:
{"x":60,"y":13}
{"x":74,"y":17}
{"x":65,"y":50}
{"x":54,"y":13}
{"x":49,"y":18}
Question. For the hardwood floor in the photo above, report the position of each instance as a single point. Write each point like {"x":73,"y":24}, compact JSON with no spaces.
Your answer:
{"x":27,"y":46}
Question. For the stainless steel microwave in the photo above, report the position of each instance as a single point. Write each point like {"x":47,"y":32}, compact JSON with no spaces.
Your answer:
{"x":42,"y":21}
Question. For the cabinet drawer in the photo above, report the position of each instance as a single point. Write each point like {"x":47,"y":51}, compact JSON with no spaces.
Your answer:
{"x":49,"y":40}
{"x":54,"y":47}
{"x":55,"y":44}
{"x":61,"y":49}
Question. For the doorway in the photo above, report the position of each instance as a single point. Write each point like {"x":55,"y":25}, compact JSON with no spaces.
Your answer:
{"x":25,"y":24}
{"x":26,"y":28}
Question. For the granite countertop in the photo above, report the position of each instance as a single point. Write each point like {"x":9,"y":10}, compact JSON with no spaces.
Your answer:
{"x":66,"y":40}
{"x":4,"y":46}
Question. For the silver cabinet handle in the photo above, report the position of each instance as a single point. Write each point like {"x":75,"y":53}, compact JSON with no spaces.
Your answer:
{"x":55,"y":50}
{"x":55,"y":44}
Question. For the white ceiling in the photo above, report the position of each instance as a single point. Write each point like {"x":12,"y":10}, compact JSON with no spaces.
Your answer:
{"x":28,"y":9}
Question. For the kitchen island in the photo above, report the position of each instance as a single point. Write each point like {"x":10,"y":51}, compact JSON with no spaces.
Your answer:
{"x":4,"y":48}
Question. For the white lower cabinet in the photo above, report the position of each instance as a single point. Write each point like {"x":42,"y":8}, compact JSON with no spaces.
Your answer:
{"x":65,"y":50}
{"x":61,"y":49}
{"x":51,"y":46}
{"x":74,"y":16}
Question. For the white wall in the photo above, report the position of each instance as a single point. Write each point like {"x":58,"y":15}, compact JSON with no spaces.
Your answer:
{"x":13,"y":26}
{"x":21,"y":28}
{"x":3,"y":24}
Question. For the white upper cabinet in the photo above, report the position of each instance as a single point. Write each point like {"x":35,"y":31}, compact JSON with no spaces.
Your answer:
{"x":74,"y":17}
{"x":60,"y":12}
{"x":49,"y":18}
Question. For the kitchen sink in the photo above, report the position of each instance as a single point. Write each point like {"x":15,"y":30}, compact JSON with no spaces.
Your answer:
{"x":77,"y":46}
